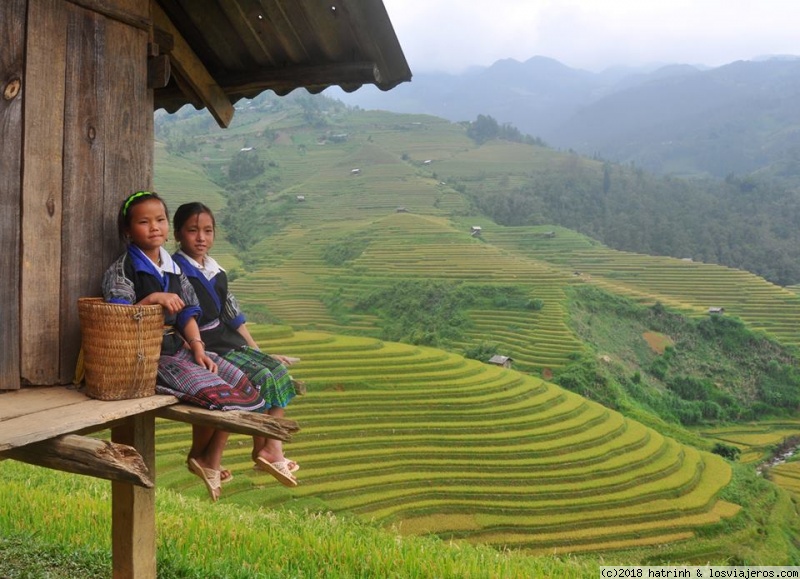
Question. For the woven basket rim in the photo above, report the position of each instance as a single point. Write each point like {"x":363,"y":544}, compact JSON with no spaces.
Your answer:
{"x":92,"y":301}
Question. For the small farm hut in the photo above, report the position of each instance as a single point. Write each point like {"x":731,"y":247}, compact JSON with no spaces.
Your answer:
{"x":716,"y":311}
{"x":79,"y":82}
{"x":498,"y":360}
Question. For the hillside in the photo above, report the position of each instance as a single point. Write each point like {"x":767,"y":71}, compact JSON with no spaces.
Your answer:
{"x":677,"y":119}
{"x":333,"y":216}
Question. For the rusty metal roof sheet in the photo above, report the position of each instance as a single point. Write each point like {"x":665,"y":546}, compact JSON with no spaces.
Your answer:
{"x":249,"y":46}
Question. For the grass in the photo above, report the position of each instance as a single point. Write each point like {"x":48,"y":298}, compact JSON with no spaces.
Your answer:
{"x":29,"y":556}
{"x":234,"y":542}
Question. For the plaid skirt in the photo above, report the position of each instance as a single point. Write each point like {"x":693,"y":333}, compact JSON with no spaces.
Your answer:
{"x":271,"y":377}
{"x":229,"y":389}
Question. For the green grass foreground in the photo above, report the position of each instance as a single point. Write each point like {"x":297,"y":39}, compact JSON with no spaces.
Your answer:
{"x":56,"y":525}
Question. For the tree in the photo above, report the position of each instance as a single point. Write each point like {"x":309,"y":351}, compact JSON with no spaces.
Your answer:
{"x":484,"y":129}
{"x":245,"y":165}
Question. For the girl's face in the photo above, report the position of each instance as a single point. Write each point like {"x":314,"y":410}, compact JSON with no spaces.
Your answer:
{"x":196,"y":236}
{"x":149,"y":226}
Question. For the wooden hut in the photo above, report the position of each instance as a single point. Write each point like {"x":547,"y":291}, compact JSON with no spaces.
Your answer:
{"x":80,"y":80}
{"x":500,"y":360}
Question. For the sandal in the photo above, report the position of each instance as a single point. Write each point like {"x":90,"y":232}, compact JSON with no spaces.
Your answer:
{"x":299,"y":387}
{"x":279,"y":470}
{"x":209,"y":476}
{"x":291,"y":466}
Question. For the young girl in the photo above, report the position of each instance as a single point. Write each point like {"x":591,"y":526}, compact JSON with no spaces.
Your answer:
{"x":223,"y":330}
{"x":146,"y":274}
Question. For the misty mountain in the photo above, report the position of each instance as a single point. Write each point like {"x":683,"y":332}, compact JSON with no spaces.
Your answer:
{"x":676,"y":119}
{"x":738,"y":118}
{"x":536,"y":96}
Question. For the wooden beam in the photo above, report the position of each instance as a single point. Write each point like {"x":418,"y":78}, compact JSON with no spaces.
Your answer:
{"x":87,"y":456}
{"x":124,"y":12}
{"x":133,"y":509}
{"x":239,"y":422}
{"x":192,"y":70}
{"x":287,"y":78}
{"x":158,"y":71}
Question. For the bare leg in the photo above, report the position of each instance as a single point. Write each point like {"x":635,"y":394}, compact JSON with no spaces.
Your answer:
{"x":205,"y":456}
{"x":270,"y":449}
{"x":207,"y":446}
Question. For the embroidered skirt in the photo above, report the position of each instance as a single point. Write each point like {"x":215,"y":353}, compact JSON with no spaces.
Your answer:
{"x":271,"y":377}
{"x":229,"y":389}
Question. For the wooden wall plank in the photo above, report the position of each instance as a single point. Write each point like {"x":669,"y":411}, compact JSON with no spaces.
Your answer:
{"x":41,"y":191}
{"x":83,"y":217}
{"x":12,"y":48}
{"x":108,"y":153}
{"x":128,"y":118}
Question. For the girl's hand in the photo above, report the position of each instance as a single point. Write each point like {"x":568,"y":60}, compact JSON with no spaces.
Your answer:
{"x":169,"y":301}
{"x":204,"y":360}
{"x":285,"y":360}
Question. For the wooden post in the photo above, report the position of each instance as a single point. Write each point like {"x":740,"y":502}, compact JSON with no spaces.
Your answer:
{"x":133,"y":509}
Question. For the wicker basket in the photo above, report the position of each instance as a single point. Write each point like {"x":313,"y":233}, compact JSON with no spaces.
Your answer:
{"x":121,"y":347}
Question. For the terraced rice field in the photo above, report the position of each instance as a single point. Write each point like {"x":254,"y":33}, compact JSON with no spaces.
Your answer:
{"x":690,"y":286}
{"x":787,"y":475}
{"x":756,"y":441}
{"x":402,"y":246}
{"x":429,"y":442}
{"x":294,"y":280}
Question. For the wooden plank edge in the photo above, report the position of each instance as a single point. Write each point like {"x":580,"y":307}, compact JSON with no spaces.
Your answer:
{"x":236,"y":421}
{"x":86,"y":456}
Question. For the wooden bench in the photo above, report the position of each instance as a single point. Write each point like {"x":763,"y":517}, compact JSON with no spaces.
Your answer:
{"x":47,"y":426}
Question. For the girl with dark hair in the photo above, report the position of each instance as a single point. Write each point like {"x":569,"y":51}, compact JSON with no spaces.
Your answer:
{"x":146,"y":274}
{"x":223,"y":329}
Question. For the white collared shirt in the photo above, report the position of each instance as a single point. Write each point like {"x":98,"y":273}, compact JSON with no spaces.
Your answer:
{"x":209,"y":267}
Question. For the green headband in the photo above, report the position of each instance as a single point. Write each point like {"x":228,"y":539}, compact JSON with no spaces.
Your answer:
{"x":130,"y":199}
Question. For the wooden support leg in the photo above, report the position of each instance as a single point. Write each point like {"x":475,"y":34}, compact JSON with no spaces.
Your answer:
{"x":133,"y":509}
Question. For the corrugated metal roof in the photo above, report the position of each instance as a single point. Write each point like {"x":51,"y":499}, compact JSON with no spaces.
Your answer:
{"x":249,"y":46}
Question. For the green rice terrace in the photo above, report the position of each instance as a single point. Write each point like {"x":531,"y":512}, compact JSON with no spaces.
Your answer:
{"x":429,"y":442}
{"x":352,"y":243}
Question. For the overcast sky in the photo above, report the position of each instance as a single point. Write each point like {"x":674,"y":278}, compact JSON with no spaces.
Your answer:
{"x":451,"y":35}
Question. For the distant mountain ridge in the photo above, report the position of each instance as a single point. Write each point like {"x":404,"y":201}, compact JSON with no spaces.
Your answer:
{"x":677,"y":119}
